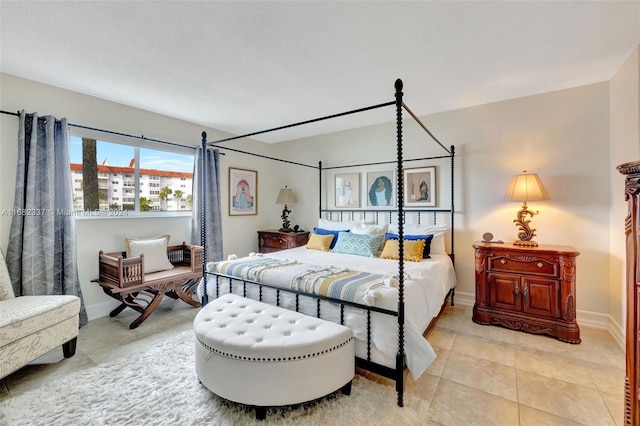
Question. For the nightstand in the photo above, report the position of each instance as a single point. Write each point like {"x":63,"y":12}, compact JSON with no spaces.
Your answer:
{"x":532,"y":289}
{"x":272,"y":240}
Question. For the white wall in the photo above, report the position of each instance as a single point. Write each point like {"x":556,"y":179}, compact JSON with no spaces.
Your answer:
{"x":563,"y":136}
{"x":108,"y":234}
{"x":625,"y":147}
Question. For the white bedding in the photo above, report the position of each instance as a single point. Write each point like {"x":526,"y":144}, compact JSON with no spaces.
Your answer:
{"x":426,"y":284}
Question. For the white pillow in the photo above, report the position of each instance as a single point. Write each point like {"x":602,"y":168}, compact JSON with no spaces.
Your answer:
{"x":155,"y":254}
{"x":438,"y":231}
{"x":127,"y":240}
{"x":369,"y":229}
{"x":333,"y":225}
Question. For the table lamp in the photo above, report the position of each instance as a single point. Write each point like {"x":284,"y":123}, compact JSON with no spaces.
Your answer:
{"x":286,"y":197}
{"x":525,"y":187}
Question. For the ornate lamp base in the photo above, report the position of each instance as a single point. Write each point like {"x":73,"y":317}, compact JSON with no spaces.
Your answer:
{"x":525,"y":243}
{"x":526,"y":234}
{"x":285,"y":220}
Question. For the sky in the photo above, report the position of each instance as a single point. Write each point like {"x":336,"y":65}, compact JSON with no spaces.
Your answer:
{"x":121,"y":155}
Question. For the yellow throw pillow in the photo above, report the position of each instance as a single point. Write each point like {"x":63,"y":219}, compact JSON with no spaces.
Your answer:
{"x":320,"y":242}
{"x":412,"y":250}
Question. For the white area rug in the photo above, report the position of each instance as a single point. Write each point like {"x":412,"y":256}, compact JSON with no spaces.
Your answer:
{"x":159,"y":387}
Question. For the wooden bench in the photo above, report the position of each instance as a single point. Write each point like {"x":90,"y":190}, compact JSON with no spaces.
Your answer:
{"x":124,"y":279}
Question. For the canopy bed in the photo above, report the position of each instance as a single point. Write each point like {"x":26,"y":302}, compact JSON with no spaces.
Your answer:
{"x":394,"y":300}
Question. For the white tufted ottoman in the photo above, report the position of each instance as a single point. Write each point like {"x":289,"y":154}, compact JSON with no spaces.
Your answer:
{"x":265,"y":356}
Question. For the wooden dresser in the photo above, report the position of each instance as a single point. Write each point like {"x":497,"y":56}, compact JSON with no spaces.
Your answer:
{"x":631,"y":223}
{"x":532,"y":289}
{"x":272,"y":240}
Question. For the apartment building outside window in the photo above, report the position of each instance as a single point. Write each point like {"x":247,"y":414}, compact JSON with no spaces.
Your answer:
{"x":144,"y":177}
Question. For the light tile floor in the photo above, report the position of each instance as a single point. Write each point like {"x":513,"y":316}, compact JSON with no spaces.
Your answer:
{"x":484,"y":375}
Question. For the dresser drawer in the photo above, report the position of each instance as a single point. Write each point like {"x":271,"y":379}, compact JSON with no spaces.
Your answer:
{"x":524,"y":265}
{"x":274,"y":242}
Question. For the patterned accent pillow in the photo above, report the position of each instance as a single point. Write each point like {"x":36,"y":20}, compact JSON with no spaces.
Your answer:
{"x":359,"y":244}
{"x":6,"y":289}
{"x":412,"y":250}
{"x":320,"y":242}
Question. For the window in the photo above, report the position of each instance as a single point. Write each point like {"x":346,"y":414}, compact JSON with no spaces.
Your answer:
{"x":162,"y":169}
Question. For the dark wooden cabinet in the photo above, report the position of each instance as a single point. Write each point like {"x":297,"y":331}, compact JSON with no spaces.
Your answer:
{"x":632,"y":331}
{"x":272,"y":240}
{"x":532,"y":289}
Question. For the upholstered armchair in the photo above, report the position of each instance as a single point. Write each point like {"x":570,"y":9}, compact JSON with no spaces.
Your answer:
{"x":31,"y":326}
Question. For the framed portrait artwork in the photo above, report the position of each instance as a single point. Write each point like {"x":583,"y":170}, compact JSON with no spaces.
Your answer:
{"x":380,"y":189}
{"x":348,"y":190}
{"x":243,"y":192}
{"x":420,"y":187}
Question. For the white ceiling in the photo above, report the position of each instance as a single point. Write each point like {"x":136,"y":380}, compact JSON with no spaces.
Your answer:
{"x":247,"y":66}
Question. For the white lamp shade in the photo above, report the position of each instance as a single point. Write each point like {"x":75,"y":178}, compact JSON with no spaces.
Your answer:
{"x":526,"y":187}
{"x":286,"y":196}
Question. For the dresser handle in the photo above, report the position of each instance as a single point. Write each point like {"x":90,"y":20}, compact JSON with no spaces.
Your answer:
{"x":517,"y":290}
{"x":540,"y":264}
{"x":526,"y":291}
{"x":503,"y":262}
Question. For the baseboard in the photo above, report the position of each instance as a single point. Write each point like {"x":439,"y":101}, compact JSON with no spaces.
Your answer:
{"x":618,"y":333}
{"x":585,"y":318}
{"x":464,"y":299}
{"x":99,"y":310}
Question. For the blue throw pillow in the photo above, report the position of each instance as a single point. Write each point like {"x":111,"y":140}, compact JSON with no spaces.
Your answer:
{"x":359,"y":244}
{"x":426,"y":253}
{"x":321,"y":231}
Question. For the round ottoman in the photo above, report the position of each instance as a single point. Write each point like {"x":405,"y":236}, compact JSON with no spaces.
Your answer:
{"x":265,"y":356}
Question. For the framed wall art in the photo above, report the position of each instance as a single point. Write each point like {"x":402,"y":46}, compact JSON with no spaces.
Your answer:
{"x":243,"y":192}
{"x":380,"y":189}
{"x":420,"y":187}
{"x":348,"y":190}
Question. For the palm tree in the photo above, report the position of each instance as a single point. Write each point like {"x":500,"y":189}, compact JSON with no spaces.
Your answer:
{"x":164,"y":196}
{"x":145,"y":204}
{"x":178,"y":195}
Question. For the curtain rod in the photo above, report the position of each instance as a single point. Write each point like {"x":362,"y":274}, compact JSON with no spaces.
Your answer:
{"x":17,"y":114}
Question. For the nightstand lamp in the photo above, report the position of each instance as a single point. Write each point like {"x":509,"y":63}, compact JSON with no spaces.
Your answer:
{"x":286,"y":197}
{"x":525,"y":187}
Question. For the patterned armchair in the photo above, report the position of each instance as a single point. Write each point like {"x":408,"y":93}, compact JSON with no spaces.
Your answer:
{"x":31,"y":326}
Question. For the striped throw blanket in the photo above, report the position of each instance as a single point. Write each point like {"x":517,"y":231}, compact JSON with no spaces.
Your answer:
{"x":343,"y":284}
{"x":251,"y":268}
{"x":329,"y":281}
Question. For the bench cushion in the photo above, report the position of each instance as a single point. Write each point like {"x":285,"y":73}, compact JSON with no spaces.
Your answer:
{"x":237,"y":327}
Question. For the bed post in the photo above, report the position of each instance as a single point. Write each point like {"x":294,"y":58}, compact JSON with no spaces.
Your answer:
{"x":400,"y":193}
{"x":319,"y":189}
{"x":203,"y":216}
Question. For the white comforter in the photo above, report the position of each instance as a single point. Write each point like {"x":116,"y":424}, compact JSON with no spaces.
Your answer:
{"x":426,"y":284}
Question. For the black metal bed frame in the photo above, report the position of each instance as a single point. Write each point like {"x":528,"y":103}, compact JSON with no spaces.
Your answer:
{"x":397,"y":373}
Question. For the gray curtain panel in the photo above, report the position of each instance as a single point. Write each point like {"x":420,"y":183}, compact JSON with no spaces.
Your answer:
{"x":41,"y":257}
{"x":213,"y":213}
